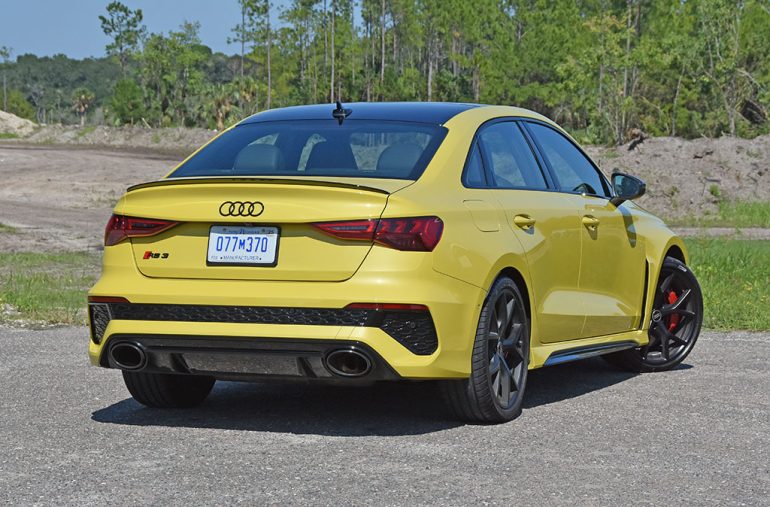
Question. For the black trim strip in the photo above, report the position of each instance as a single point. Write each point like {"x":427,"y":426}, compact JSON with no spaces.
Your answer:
{"x":577,"y":353}
{"x":256,"y":180}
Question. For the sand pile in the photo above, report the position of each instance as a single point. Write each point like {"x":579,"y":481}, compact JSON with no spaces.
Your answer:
{"x":12,"y":124}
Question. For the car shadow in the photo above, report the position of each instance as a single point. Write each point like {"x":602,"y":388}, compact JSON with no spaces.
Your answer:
{"x":570,"y":380}
{"x":380,"y":409}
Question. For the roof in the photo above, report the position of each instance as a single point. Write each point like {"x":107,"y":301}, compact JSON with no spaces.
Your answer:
{"x":423,"y":112}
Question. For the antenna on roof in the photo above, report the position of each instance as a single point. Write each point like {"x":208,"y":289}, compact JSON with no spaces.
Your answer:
{"x":340,"y":113}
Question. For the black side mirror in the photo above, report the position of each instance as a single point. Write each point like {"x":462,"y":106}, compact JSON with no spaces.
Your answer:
{"x":626,"y":187}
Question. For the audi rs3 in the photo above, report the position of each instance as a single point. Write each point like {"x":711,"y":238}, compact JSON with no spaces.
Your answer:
{"x":460,"y":243}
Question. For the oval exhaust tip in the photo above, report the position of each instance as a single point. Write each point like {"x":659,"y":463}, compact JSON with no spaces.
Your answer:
{"x":128,"y":356}
{"x":348,"y":363}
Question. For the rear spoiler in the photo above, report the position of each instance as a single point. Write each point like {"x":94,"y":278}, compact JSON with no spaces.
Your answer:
{"x":254,"y":180}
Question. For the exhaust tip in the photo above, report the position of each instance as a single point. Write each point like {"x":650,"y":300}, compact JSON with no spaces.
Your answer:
{"x":348,"y":363}
{"x":128,"y":356}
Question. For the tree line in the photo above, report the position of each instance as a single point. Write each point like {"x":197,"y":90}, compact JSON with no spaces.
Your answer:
{"x":600,"y":67}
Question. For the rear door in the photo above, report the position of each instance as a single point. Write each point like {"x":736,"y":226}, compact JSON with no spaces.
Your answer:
{"x":612,"y":267}
{"x":546,"y":224}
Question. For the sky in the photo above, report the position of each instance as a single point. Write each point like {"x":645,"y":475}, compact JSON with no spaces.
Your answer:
{"x":71,"y":27}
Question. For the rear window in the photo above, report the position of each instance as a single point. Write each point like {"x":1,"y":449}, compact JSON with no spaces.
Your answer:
{"x":356,"y":149}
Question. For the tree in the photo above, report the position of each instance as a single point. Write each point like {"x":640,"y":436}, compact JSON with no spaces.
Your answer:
{"x":19,"y":106}
{"x":82,"y":98}
{"x":172,"y":73}
{"x":126,"y":30}
{"x":255,"y":30}
{"x":5,"y":55}
{"x":127,"y":103}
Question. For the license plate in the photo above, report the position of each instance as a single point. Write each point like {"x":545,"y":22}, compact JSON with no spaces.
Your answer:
{"x":252,"y":246}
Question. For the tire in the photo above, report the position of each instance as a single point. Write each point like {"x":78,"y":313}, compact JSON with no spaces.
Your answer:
{"x":498,"y":360}
{"x":160,"y":390}
{"x":677,"y":316}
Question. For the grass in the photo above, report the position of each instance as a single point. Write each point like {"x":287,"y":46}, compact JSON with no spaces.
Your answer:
{"x":733,"y":214}
{"x":735,"y":278}
{"x":47,"y":287}
{"x":8,"y":135}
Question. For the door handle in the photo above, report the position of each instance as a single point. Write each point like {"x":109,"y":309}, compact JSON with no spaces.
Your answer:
{"x":524,"y":221}
{"x":590,"y":221}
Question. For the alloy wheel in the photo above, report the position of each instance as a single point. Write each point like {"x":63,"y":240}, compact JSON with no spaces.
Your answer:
{"x":507,"y":349}
{"x":673,"y":328}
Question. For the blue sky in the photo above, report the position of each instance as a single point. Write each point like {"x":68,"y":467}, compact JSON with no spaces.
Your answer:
{"x":47,"y":27}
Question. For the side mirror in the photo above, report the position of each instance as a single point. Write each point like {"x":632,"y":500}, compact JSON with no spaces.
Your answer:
{"x":626,"y":187}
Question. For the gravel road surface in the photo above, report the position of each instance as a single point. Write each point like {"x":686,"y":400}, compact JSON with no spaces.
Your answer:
{"x":589,"y":435}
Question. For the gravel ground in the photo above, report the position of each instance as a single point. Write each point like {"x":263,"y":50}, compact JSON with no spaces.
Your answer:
{"x":589,"y":435}
{"x":61,"y":197}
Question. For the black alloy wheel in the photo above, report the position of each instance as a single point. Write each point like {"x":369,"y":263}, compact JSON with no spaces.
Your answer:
{"x":505,"y":347}
{"x":675,"y":322}
{"x":495,"y":389}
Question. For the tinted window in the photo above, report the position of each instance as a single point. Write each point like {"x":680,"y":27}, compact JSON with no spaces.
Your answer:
{"x":364,"y":149}
{"x":573,"y":171}
{"x":474,"y":170}
{"x":509,"y":158}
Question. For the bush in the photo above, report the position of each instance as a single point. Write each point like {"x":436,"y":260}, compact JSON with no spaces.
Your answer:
{"x":127,"y":103}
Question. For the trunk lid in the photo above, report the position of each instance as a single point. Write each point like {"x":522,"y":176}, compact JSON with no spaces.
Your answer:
{"x":303,"y":253}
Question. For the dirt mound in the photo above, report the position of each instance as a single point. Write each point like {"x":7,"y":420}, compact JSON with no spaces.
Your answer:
{"x":176,"y":140}
{"x":689,"y":178}
{"x":12,"y":124}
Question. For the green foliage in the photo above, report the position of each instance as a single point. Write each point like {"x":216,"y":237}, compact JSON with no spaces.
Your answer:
{"x":125,"y":28}
{"x":47,"y":83}
{"x":714,"y":190}
{"x":19,"y":106}
{"x":735,"y":278}
{"x":127,"y":103}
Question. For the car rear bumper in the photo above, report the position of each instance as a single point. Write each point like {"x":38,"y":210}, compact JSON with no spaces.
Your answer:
{"x":250,"y":314}
{"x":245,"y":359}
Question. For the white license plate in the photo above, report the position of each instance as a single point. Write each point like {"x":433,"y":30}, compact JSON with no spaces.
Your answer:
{"x":233,"y":245}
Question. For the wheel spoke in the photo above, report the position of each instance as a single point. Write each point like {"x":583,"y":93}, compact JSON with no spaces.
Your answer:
{"x":676,"y":339}
{"x":664,"y":343}
{"x":684,"y":318}
{"x":513,"y":338}
{"x":677,"y":306}
{"x":666,"y":283}
{"x":505,"y":384}
{"x":496,"y":382}
{"x":493,"y":336}
{"x":517,"y":376}
{"x":509,"y":315}
{"x":494,"y":364}
{"x":501,"y":315}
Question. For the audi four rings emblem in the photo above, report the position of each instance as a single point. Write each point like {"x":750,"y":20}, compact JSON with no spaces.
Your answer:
{"x":241,"y":209}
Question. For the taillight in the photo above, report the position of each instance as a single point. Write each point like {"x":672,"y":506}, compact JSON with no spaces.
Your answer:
{"x":419,"y":234}
{"x":121,"y":227}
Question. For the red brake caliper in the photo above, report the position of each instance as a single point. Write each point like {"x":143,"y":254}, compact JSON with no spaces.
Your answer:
{"x":673,"y":320}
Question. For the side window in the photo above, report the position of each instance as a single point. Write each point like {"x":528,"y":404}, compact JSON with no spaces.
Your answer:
{"x":509,"y":158}
{"x":573,"y":171}
{"x":474,"y":170}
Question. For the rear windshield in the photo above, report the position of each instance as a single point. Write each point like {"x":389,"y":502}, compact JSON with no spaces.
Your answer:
{"x":356,"y":149}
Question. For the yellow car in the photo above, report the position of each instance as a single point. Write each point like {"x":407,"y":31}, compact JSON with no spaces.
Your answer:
{"x":453,"y":242}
